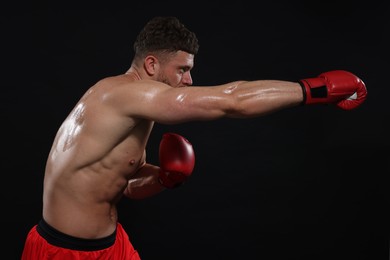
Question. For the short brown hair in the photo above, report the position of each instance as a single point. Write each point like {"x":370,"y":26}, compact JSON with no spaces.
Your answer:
{"x":165,"y":35}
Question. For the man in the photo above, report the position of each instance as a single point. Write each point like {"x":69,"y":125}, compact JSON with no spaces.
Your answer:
{"x":98,"y":154}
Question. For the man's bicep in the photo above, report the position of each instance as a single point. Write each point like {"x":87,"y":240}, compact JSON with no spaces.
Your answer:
{"x":178,"y":105}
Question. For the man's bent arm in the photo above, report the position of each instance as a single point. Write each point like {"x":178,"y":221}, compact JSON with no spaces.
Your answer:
{"x":144,"y":183}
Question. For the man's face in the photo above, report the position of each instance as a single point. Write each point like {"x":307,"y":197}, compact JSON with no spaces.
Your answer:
{"x":175,"y":71}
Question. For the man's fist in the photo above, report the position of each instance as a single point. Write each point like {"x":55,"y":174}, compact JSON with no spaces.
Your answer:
{"x":177,"y":160}
{"x":340,"y":87}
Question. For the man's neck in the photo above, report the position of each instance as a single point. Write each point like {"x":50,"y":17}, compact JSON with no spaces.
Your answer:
{"x":133,"y":72}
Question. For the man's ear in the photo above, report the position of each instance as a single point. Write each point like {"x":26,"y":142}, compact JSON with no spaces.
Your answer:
{"x":151,"y":64}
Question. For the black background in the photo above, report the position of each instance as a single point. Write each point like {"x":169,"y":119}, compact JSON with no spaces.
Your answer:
{"x":303,"y":183}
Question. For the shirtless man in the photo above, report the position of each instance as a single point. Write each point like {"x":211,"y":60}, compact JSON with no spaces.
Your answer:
{"x":98,"y":155}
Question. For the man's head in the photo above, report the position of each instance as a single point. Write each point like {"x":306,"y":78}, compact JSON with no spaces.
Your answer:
{"x":165,"y":47}
{"x":163,"y":35}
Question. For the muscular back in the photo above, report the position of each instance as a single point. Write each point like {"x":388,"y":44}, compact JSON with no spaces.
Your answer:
{"x":95,"y":152}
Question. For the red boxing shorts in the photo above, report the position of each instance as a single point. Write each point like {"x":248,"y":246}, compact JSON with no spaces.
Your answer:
{"x":45,"y":242}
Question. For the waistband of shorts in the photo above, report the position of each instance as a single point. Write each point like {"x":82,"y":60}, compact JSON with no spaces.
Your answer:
{"x":57,"y":238}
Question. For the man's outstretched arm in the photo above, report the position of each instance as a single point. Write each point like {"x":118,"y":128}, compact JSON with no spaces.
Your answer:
{"x":240,"y":99}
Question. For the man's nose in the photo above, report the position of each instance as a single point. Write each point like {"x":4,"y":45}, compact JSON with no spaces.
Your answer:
{"x":187,"y":79}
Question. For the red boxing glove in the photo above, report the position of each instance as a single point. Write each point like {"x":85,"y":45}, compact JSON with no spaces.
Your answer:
{"x":177,"y":160}
{"x":341,"y":87}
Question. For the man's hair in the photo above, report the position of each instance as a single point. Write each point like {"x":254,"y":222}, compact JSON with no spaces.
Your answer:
{"x":165,"y":35}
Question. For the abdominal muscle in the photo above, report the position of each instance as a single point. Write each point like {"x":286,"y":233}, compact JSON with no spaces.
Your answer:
{"x":80,"y":201}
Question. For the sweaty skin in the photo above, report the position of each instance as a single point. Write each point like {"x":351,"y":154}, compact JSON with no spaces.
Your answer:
{"x":98,"y":154}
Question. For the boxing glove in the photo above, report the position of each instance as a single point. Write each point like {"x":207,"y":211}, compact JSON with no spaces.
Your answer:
{"x":177,"y":160}
{"x":339,"y":87}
